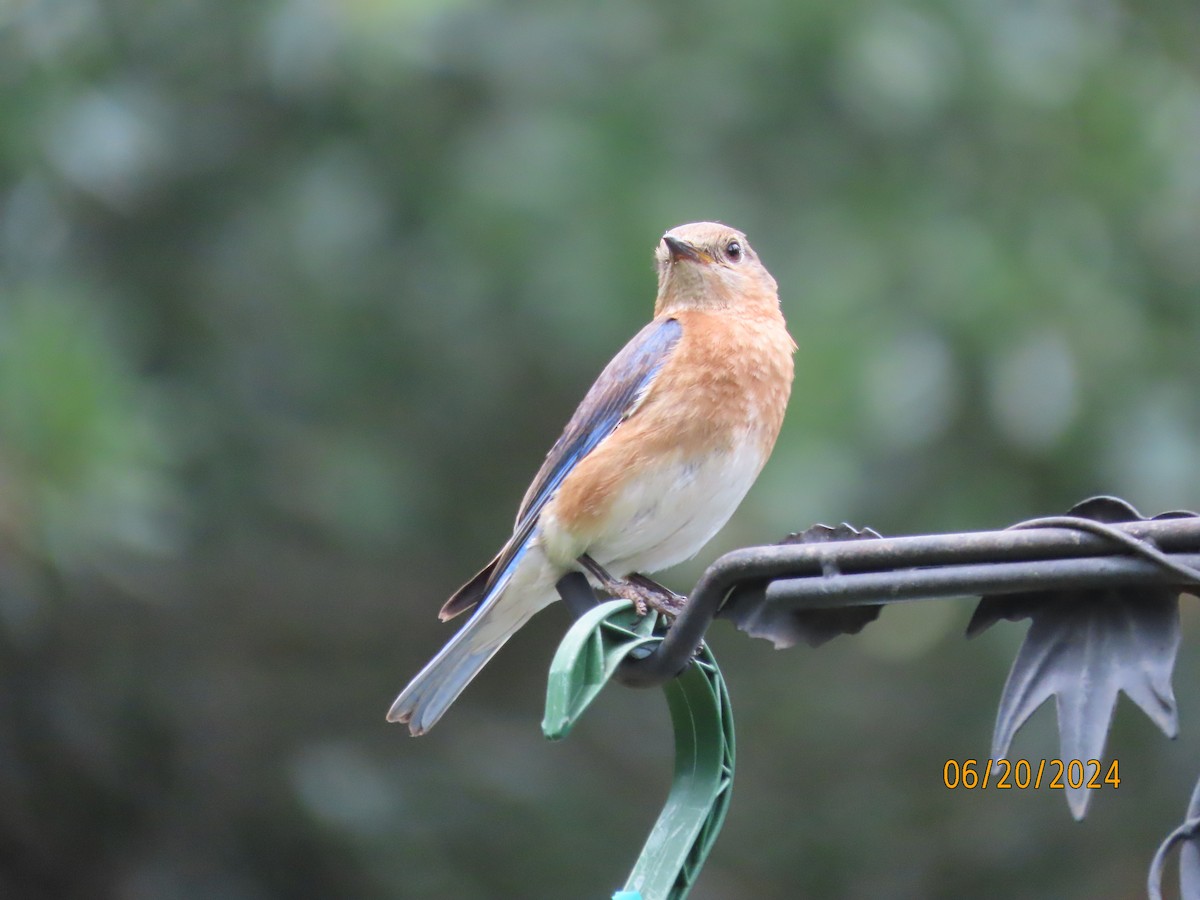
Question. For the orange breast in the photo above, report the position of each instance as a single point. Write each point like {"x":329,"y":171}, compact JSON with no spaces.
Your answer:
{"x":725,"y":386}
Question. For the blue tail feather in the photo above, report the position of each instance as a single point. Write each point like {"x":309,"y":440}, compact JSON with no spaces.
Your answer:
{"x":437,"y":686}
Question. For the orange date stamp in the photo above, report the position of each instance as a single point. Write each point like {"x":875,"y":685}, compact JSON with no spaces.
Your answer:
{"x":1024,"y":774}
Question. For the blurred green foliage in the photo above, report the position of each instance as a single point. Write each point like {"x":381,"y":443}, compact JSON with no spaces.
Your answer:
{"x":295,"y":295}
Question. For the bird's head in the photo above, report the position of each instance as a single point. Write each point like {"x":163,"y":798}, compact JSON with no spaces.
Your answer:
{"x":707,"y":265}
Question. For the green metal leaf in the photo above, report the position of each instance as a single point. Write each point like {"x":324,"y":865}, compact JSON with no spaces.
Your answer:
{"x":702,"y":719}
{"x":587,"y":657}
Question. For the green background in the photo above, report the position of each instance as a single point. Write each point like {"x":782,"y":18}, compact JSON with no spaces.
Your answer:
{"x":294,"y":296}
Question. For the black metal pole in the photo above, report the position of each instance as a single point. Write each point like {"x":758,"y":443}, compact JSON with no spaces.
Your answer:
{"x":886,"y":570}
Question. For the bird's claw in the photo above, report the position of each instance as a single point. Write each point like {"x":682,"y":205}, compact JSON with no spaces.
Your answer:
{"x":644,"y":593}
{"x":656,"y":597}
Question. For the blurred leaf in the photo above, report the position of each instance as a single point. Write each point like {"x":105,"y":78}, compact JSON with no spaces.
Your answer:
{"x":80,"y":449}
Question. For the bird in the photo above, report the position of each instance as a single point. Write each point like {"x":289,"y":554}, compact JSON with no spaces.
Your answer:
{"x":652,"y":464}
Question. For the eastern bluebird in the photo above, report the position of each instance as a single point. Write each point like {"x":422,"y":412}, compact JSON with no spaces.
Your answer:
{"x":652,"y":464}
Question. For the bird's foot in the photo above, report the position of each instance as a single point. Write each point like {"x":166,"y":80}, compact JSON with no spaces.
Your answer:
{"x":659,"y":598}
{"x":644,"y":593}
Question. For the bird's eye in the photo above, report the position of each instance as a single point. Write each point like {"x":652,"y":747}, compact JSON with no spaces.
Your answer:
{"x":734,"y":251}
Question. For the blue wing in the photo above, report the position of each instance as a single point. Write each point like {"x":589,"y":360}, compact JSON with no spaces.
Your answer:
{"x":616,"y":392}
{"x":613,"y":397}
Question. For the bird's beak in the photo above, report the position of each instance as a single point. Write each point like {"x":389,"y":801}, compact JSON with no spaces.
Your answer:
{"x":683,"y":250}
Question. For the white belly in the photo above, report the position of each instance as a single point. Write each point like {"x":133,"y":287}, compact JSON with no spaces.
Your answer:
{"x":667,"y":514}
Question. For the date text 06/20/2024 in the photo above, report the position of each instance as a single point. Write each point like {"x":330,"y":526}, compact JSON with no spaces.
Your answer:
{"x":1005,"y":774}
